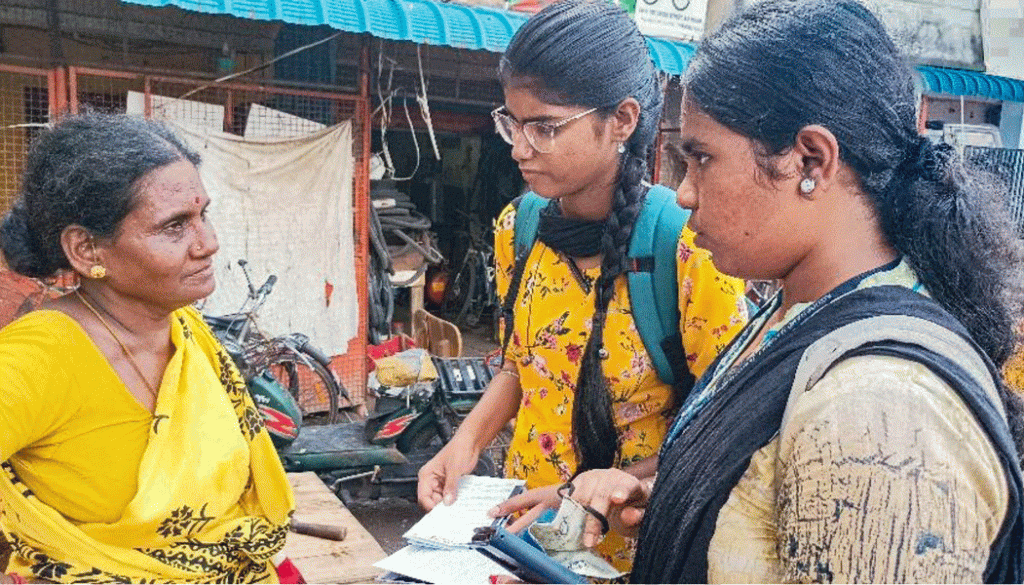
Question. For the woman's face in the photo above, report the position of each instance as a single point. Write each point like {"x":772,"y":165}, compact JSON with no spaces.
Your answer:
{"x":162,"y":252}
{"x":752,"y":225}
{"x":583,"y":155}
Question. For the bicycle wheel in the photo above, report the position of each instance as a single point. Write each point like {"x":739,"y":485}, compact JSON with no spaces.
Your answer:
{"x":422,"y":435}
{"x":474,"y":309}
{"x":497,"y":450}
{"x":461,"y":290}
{"x":310,"y":383}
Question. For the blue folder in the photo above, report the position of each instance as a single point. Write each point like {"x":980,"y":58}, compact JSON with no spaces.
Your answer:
{"x":530,"y":561}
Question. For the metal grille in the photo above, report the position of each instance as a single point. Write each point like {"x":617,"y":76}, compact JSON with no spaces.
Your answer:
{"x":24,"y":105}
{"x":1008,"y":165}
{"x":242,"y":105}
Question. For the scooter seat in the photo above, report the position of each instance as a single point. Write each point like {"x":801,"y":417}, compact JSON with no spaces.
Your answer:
{"x":337,"y":446}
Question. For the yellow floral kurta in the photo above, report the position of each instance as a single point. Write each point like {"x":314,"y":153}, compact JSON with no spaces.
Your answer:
{"x":1013,"y":371}
{"x":553,"y":313}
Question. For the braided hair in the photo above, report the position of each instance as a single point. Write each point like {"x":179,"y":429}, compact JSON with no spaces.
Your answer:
{"x":589,"y":53}
{"x":771,"y":70}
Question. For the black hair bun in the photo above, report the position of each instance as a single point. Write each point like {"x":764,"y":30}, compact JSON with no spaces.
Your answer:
{"x":20,"y":248}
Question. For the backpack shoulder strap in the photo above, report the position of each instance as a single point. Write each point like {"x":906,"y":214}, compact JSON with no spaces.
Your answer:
{"x":876,"y":335}
{"x":653,"y":286}
{"x":528,"y":207}
{"x":524,"y":232}
{"x":824,"y":353}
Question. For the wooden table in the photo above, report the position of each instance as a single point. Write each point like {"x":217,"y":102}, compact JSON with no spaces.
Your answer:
{"x":327,"y":561}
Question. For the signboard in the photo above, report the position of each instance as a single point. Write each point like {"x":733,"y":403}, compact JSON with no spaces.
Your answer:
{"x":1004,"y":38}
{"x":945,"y":33}
{"x":673,"y":19}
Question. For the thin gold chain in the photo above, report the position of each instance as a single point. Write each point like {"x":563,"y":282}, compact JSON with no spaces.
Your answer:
{"x":124,"y":348}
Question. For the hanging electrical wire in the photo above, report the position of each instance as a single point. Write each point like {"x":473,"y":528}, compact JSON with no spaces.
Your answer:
{"x":385,"y":111}
{"x":261,"y":66}
{"x":421,"y":99}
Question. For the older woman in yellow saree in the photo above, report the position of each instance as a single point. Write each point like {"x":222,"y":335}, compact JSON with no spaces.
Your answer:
{"x":131,"y":450}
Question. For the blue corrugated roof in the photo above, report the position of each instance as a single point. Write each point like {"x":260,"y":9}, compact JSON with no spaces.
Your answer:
{"x":971,"y":83}
{"x":419,"y":21}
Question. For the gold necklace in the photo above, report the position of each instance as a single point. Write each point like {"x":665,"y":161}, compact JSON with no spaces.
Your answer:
{"x":124,"y":348}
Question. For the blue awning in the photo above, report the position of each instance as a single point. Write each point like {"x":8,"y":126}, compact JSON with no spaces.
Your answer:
{"x":419,"y":21}
{"x":971,"y":83}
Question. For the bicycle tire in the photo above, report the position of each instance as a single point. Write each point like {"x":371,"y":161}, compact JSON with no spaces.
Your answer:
{"x":310,"y":384}
{"x":470,"y":293}
{"x":460,"y":291}
{"x":476,"y":304}
{"x":422,"y":435}
{"x":497,"y":449}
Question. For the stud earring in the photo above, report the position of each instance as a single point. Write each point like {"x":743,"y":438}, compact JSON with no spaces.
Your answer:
{"x":622,"y":148}
{"x":97,"y":272}
{"x":807,"y":186}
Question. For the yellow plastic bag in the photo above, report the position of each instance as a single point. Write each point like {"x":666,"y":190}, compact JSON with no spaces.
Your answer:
{"x":406,"y":367}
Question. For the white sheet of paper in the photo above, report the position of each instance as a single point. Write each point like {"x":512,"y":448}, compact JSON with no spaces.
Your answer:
{"x":460,"y":565}
{"x":453,"y":525}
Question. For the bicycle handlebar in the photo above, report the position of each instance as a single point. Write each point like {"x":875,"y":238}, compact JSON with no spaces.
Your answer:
{"x":268,"y":285}
{"x":243,"y":263}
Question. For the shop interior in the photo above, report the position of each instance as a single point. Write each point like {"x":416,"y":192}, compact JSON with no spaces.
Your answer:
{"x":439,"y":230}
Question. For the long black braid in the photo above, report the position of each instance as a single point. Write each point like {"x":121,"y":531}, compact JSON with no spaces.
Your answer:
{"x":592,"y":416}
{"x":589,"y":53}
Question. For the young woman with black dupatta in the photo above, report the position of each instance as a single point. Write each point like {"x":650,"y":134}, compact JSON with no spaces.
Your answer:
{"x":858,"y":428}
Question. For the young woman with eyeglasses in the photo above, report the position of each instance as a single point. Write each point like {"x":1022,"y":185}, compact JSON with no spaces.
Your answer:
{"x":582,"y":106}
{"x":858,"y":429}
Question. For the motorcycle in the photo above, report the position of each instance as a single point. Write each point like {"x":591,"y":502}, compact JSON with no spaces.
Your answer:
{"x":378,"y":457}
{"x":381,"y":456}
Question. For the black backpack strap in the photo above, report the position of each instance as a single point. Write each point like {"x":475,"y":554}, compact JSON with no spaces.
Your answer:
{"x":961,"y":364}
{"x":524,"y":233}
{"x":507,"y":307}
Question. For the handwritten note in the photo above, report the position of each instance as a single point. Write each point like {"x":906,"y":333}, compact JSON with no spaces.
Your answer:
{"x":460,"y":565}
{"x":448,"y":526}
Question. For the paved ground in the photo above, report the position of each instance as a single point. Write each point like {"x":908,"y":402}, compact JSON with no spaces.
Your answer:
{"x":477,"y":342}
{"x":387,"y":520}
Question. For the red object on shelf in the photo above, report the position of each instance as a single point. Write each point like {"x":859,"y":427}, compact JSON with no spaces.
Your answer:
{"x":390,"y":347}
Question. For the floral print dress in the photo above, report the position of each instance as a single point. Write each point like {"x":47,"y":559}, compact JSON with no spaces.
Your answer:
{"x":553,"y":312}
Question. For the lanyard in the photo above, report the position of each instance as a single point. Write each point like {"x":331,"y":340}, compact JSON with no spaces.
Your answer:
{"x":723,"y":371}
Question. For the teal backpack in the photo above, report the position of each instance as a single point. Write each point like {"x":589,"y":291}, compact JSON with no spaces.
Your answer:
{"x":653,"y":288}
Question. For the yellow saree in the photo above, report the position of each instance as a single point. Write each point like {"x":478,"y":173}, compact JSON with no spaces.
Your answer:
{"x":211,"y":502}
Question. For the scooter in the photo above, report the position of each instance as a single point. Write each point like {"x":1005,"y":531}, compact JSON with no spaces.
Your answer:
{"x":379,"y":457}
{"x":376,"y":458}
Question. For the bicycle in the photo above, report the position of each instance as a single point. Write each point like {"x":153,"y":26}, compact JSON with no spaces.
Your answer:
{"x":290,"y":359}
{"x":472,"y":291}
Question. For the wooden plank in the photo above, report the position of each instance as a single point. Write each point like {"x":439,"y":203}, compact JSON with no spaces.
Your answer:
{"x":328,"y":561}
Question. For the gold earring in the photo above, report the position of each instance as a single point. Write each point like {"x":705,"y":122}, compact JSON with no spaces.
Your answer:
{"x":97,"y":271}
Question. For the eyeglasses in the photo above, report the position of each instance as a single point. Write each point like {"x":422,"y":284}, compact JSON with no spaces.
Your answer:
{"x":540,"y":135}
